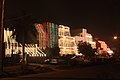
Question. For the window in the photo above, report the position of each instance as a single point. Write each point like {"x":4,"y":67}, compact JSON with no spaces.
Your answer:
{"x":67,"y":34}
{"x":61,"y":42}
{"x":72,"y":44}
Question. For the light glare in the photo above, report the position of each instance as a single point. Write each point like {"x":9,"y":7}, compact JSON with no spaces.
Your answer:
{"x":115,"y":37}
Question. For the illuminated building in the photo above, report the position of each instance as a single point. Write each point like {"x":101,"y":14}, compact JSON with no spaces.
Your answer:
{"x":103,"y":48}
{"x":12,"y":46}
{"x":47,"y":35}
{"x":67,"y":43}
{"x":103,"y":45}
{"x":85,"y":37}
{"x":41,"y":36}
{"x":50,"y":33}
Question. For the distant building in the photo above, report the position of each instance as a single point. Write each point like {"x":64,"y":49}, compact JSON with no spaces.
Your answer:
{"x":67,"y":43}
{"x":103,"y":48}
{"x":41,"y":36}
{"x":83,"y":36}
{"x":47,"y":34}
{"x":50,"y":35}
{"x":13,"y":47}
{"x":51,"y":31}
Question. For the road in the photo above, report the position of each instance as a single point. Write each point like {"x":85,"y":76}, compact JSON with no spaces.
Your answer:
{"x":107,"y":71}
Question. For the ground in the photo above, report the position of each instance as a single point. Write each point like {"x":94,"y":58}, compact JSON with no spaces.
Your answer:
{"x":51,"y":71}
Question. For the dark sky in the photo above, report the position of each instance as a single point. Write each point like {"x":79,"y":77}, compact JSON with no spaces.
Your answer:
{"x":100,"y":17}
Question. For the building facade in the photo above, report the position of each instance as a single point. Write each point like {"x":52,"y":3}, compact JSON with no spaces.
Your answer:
{"x":51,"y":35}
{"x":103,"y":48}
{"x":10,"y":43}
{"x":85,"y":37}
{"x":67,"y":43}
{"x":13,"y":47}
{"x":41,"y":36}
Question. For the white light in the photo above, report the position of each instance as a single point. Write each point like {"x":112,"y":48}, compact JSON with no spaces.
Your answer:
{"x":115,"y":37}
{"x":110,"y":52}
{"x":79,"y":54}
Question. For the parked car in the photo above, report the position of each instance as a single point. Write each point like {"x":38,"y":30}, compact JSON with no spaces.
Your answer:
{"x":54,"y":61}
{"x":47,"y":60}
{"x":51,"y":61}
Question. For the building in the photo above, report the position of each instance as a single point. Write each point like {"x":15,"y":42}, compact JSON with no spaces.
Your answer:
{"x":103,"y":48}
{"x":13,"y":47}
{"x":41,"y":36}
{"x":83,"y":36}
{"x":66,"y":43}
{"x":51,"y":35}
{"x":47,"y":37}
{"x":51,"y":31}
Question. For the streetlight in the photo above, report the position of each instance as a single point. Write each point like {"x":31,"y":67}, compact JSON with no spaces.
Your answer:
{"x":116,"y":45}
{"x":115,"y":37}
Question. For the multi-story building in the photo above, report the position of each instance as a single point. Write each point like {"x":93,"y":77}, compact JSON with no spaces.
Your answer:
{"x":103,"y":48}
{"x":67,"y":43}
{"x":51,"y":31}
{"x":47,"y":35}
{"x":51,"y":35}
{"x":41,"y":36}
{"x":13,"y":47}
{"x":85,"y":37}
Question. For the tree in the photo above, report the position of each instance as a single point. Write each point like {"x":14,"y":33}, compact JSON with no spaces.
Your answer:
{"x":55,"y":51}
{"x":86,"y":49}
{"x":25,"y":32}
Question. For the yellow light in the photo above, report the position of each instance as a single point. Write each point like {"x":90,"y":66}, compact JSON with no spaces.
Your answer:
{"x":115,"y":37}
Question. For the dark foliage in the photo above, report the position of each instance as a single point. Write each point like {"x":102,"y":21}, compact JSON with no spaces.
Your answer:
{"x":86,"y":49}
{"x":24,"y":28}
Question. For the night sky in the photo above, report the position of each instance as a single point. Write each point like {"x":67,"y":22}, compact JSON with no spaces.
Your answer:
{"x":101,"y":18}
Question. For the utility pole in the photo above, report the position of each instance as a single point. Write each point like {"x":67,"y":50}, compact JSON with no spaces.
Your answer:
{"x":2,"y":36}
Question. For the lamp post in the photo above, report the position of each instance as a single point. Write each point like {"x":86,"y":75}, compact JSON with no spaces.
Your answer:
{"x":1,"y":35}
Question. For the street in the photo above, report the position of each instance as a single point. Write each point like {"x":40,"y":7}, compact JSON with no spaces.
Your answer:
{"x":106,"y":71}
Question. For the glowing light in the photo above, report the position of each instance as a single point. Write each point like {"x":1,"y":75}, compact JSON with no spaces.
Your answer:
{"x":79,"y":54}
{"x":115,"y":37}
{"x":110,"y":52}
